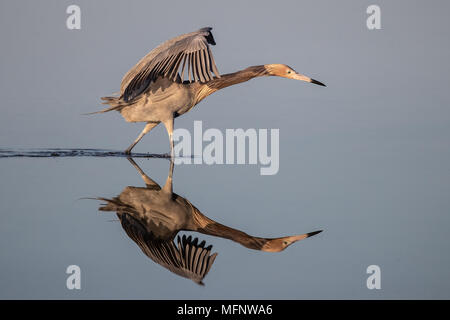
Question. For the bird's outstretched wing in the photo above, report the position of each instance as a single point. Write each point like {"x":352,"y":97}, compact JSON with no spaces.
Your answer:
{"x":189,"y":259}
{"x":190,"y":51}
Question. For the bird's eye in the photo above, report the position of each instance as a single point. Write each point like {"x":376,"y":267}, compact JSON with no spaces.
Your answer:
{"x":289,"y":71}
{"x":285,"y":242}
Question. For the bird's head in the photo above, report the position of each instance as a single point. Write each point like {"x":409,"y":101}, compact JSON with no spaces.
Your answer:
{"x":279,"y":244}
{"x":282,"y":70}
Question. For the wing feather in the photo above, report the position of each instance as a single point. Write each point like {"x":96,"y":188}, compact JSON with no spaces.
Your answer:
{"x":199,"y":66}
{"x":205,"y":66}
{"x":164,"y":61}
{"x":184,"y":63}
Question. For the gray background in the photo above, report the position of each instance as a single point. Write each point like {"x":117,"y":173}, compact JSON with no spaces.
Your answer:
{"x":367,"y":159}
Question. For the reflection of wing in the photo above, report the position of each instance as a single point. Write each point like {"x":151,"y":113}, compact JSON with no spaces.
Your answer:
{"x":189,"y":260}
{"x":190,"y":49}
{"x":192,"y":260}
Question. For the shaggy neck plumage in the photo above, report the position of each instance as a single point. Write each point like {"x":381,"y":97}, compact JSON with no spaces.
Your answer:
{"x":230,"y":79}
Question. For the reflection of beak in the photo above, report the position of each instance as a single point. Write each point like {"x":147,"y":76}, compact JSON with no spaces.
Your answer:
{"x":293,"y":239}
{"x":298,"y":76}
{"x":275,"y":245}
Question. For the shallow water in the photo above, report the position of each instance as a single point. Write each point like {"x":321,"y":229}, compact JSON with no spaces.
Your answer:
{"x":48,"y":224}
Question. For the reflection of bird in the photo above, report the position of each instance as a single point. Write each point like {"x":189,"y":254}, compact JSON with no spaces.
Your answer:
{"x":153,"y":91}
{"x":153,"y":216}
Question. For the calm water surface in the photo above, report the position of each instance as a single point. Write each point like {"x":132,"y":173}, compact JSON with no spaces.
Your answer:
{"x":380,"y":218}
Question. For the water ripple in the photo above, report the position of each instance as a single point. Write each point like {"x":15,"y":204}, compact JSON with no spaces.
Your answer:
{"x":61,"y":152}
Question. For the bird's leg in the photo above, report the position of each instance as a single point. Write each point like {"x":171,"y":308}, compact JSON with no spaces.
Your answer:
{"x":147,"y":180}
{"x":169,"y":127}
{"x":149,"y":126}
{"x":168,"y":186}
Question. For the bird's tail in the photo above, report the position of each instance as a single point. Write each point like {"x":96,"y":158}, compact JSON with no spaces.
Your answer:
{"x":116,"y":103}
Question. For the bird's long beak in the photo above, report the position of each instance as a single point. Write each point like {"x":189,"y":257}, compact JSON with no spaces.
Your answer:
{"x":279,"y":244}
{"x":298,"y":76}
{"x":299,"y":237}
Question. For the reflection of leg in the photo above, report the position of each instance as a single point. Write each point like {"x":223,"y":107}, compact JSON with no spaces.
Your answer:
{"x":168,"y":186}
{"x":148,"y":181}
{"x":149,"y":126}
{"x":169,"y":127}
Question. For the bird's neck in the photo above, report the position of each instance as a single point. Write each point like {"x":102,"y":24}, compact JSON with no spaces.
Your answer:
{"x":210,"y":227}
{"x":230,"y":79}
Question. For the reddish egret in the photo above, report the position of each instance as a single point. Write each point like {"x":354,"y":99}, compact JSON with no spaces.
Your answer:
{"x":155,"y":89}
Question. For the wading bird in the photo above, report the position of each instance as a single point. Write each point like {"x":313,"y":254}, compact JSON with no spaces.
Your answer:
{"x":154,"y":91}
{"x":152,"y":216}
